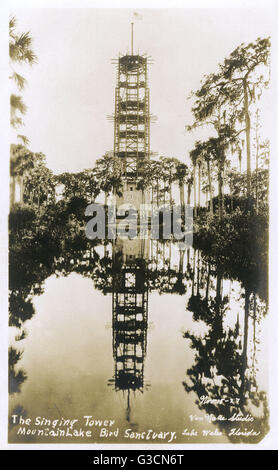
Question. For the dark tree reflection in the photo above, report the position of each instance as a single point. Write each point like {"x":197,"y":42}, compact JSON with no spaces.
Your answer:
{"x":16,"y":376}
{"x":223,"y":375}
{"x":225,"y":364}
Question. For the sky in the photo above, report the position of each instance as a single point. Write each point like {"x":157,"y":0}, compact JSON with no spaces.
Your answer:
{"x":71,"y":89}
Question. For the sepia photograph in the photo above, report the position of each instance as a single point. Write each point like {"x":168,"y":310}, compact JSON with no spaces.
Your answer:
{"x":139,"y":201}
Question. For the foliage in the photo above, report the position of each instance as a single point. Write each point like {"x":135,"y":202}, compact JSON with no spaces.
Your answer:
{"x":20,"y":51}
{"x":223,"y":102}
{"x":239,"y":244}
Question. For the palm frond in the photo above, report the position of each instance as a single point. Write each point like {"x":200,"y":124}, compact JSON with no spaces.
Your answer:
{"x":19,"y":80}
{"x":18,"y":104}
{"x":16,"y":122}
{"x":20,"y":48}
{"x":12,"y":25}
{"x":30,"y":57}
{"x":23,"y":139}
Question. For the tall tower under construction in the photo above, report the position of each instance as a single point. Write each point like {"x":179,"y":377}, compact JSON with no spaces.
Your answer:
{"x":132,"y":124}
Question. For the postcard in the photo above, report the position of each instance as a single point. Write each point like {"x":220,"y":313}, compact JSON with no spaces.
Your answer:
{"x":140,"y":164}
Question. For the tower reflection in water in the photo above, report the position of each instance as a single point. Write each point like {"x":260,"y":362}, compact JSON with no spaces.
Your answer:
{"x":129,"y":315}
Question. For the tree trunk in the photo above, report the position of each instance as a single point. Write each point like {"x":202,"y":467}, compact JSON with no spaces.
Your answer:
{"x":240,"y":159}
{"x":12,"y":191}
{"x":218,"y":310}
{"x":248,"y":147}
{"x":198,"y":272}
{"x":208,"y":281}
{"x":254,"y":327}
{"x":181,"y":261}
{"x":199,"y":185}
{"x":181,"y":187}
{"x":218,"y":287}
{"x":257,"y":164}
{"x":156,"y":257}
{"x":232,"y":199}
{"x":245,"y":342}
{"x":210,"y":188}
{"x":194,"y":267}
{"x":189,"y":193}
{"x":246,"y":316}
{"x":194,"y":190}
{"x":21,"y":187}
{"x":170,"y":188}
{"x":220,"y":188}
{"x":170,"y":253}
{"x":157,"y":192}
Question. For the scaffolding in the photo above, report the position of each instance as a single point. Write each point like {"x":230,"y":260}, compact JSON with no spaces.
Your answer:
{"x":129,"y":322}
{"x":132,"y":115}
{"x":130,"y":291}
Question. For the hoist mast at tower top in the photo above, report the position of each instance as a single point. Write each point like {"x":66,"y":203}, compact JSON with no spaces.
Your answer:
{"x":131,"y":38}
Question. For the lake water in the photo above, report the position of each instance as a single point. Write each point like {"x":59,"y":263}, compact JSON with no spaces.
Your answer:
{"x":144,"y":334}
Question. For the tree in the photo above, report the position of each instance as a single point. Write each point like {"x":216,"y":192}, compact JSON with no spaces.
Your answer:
{"x":149,"y":177}
{"x":214,"y":150}
{"x":91,"y":184}
{"x":207,"y":152}
{"x":245,"y":78}
{"x":20,"y":51}
{"x":189,"y":182}
{"x":16,"y":377}
{"x":196,"y":156}
{"x":84,"y":184}
{"x":221,"y":367}
{"x":39,"y":186}
{"x":22,"y":161}
{"x":225,"y":97}
{"x":109,"y":171}
{"x":169,"y":168}
{"x":181,"y":176}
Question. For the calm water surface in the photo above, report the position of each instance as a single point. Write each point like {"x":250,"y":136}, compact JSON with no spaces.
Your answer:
{"x":137,"y":333}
